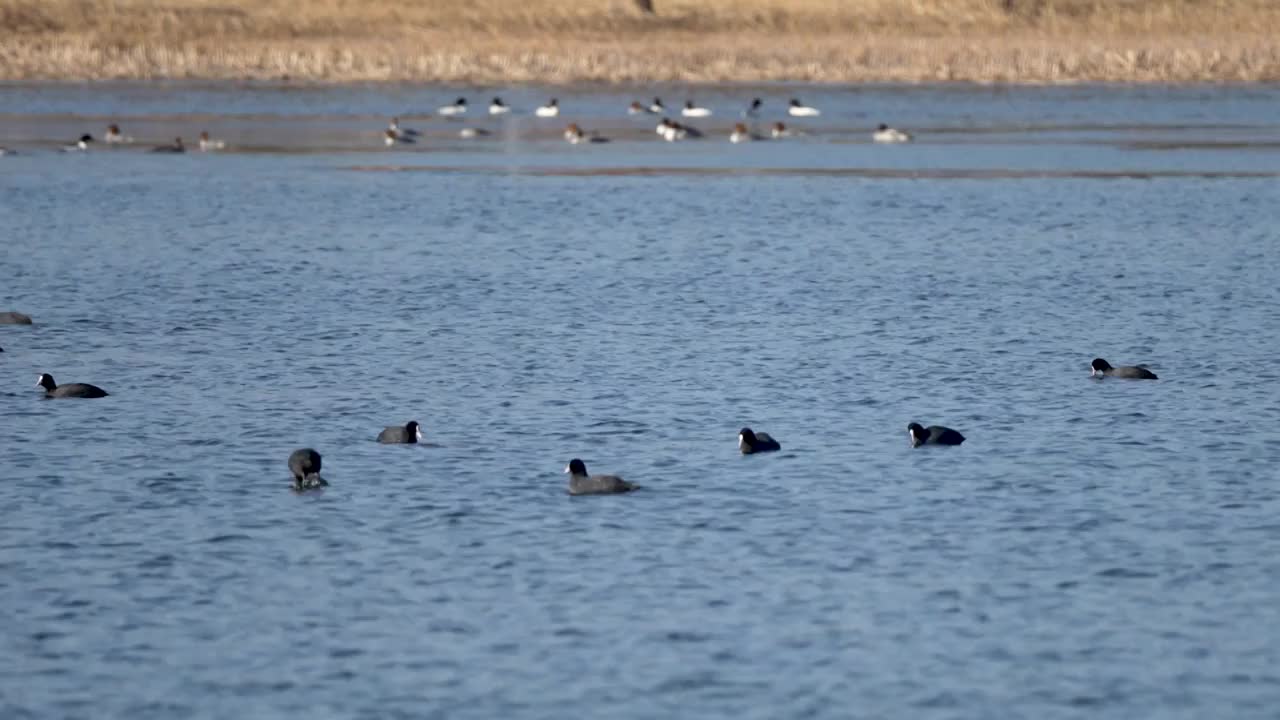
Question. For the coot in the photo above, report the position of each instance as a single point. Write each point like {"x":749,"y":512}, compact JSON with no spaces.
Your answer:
{"x":580,"y":483}
{"x":410,"y":434}
{"x":933,"y":435}
{"x":1137,"y":372}
{"x":305,"y":466}
{"x":754,"y":442}
{"x":70,"y":390}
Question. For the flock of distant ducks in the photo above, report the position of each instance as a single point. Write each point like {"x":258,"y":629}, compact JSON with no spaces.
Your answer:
{"x":305,"y":463}
{"x":668,"y":129}
{"x":113,"y":136}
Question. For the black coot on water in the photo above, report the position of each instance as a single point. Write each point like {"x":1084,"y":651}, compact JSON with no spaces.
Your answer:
{"x":1102,"y":368}
{"x":753,"y":442}
{"x":305,"y":466}
{"x":580,"y":483}
{"x":933,"y":435}
{"x":70,"y":390}
{"x":410,"y":433}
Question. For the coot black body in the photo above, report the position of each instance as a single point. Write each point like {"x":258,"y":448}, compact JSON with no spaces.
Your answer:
{"x":305,"y":466}
{"x":70,"y":390}
{"x":933,"y":435}
{"x":1100,"y":367}
{"x":753,"y":442}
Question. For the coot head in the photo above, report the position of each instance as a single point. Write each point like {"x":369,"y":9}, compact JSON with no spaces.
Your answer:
{"x":917,"y":433}
{"x":576,"y":467}
{"x":46,"y":381}
{"x":1099,"y":366}
{"x":745,"y":435}
{"x":414,"y":429}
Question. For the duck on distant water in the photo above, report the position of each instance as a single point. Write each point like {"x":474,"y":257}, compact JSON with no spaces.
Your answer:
{"x":175,"y":147}
{"x":401,"y":131}
{"x":672,"y":131}
{"x":636,"y":108}
{"x":575,"y":135}
{"x":208,"y":144}
{"x":691,"y":110}
{"x":410,"y":433}
{"x":497,"y":107}
{"x":390,"y":137}
{"x":305,"y":464}
{"x":114,"y":135}
{"x":753,"y":110}
{"x":741,"y":134}
{"x":580,"y":483}
{"x":1102,"y":368}
{"x":798,"y":109}
{"x":458,"y":107}
{"x":551,"y":109}
{"x":656,"y":107}
{"x":933,"y":435}
{"x":80,"y":145}
{"x":70,"y":390}
{"x":779,"y":130}
{"x":471,"y":133}
{"x":886,"y":134}
{"x":753,"y":442}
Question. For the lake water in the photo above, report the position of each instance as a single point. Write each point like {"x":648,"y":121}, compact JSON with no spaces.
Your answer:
{"x":1099,"y":549}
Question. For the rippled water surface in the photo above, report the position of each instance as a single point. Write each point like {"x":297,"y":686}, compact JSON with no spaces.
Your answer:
{"x":1100,"y":549}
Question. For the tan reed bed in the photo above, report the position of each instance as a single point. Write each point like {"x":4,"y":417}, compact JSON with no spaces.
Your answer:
{"x":694,"y":41}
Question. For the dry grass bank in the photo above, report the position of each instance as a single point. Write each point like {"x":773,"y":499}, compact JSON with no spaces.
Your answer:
{"x":549,"y":41}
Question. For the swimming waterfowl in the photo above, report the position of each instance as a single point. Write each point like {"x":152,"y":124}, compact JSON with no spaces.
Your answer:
{"x":797,"y":109}
{"x":114,"y":135}
{"x":636,"y":108}
{"x":1102,"y":368}
{"x":80,"y":145}
{"x":886,"y":134}
{"x":458,"y":107}
{"x":395,"y":127}
{"x":7,"y":151}
{"x":14,"y":318}
{"x":208,"y":144}
{"x":780,"y":130}
{"x":551,"y":109}
{"x":175,"y":147}
{"x":497,"y":107}
{"x":471,"y":133}
{"x":672,"y":131}
{"x":933,"y":435}
{"x":740,"y":134}
{"x":580,"y":483}
{"x":575,"y":135}
{"x":656,"y":107}
{"x":304,"y":464}
{"x":691,"y":110}
{"x":70,"y":390}
{"x":410,"y":433}
{"x":390,"y":137}
{"x":753,"y":110}
{"x":753,"y":442}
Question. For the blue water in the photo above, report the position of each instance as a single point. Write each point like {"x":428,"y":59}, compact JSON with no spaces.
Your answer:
{"x":1096,"y":549}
